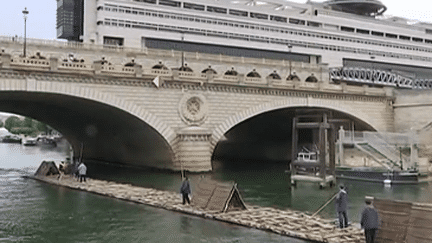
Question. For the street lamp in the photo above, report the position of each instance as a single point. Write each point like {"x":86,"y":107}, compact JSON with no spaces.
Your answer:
{"x":25,"y":12}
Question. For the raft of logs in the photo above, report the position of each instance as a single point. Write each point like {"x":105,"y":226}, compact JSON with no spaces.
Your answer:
{"x":284,"y":222}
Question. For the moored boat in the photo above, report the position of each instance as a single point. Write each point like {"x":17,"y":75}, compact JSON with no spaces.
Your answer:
{"x":46,"y":142}
{"x":11,"y":139}
{"x":29,"y":142}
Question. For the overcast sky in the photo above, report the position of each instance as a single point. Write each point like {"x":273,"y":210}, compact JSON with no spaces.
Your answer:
{"x":42,"y":17}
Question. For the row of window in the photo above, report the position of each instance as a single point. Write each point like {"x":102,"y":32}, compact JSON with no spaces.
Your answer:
{"x":245,"y":25}
{"x":243,"y":13}
{"x":206,"y":32}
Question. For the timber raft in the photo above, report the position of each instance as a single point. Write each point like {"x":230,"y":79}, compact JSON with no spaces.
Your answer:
{"x":284,"y":222}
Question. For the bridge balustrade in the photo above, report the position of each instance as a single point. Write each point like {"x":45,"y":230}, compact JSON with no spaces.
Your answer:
{"x":29,"y":62}
{"x":75,"y":66}
{"x":255,"y":80}
{"x":158,"y":72}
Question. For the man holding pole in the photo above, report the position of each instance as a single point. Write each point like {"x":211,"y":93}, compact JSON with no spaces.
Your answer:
{"x":341,"y":207}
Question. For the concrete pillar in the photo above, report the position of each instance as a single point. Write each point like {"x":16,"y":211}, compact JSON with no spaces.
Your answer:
{"x":210,"y":76}
{"x":138,"y":71}
{"x":97,"y":66}
{"x":5,"y":60}
{"x":192,"y":150}
{"x":53,"y":63}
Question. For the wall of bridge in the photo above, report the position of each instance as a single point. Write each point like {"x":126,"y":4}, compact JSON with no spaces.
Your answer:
{"x":189,"y":111}
{"x":193,"y":136}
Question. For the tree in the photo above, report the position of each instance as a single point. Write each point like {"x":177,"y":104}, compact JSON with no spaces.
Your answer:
{"x":27,"y":122}
{"x":11,"y":122}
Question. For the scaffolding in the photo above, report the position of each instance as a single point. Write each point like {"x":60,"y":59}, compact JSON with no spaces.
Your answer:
{"x":313,"y":161}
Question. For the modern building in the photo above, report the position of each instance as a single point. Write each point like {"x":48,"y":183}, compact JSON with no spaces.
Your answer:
{"x":70,"y":19}
{"x":344,"y":34}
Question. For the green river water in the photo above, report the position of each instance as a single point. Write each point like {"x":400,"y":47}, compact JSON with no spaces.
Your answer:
{"x":32,"y":211}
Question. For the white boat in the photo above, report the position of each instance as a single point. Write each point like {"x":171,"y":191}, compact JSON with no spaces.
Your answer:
{"x":351,"y":36}
{"x":30,"y":142}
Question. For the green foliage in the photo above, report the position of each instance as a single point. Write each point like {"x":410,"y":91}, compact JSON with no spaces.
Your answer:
{"x":11,"y":122}
{"x":29,"y":131}
{"x":27,"y":126}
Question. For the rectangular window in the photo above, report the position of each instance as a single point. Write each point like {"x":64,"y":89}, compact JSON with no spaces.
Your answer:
{"x":428,"y":41}
{"x":278,"y":18}
{"x":417,"y":39}
{"x":362,"y":31}
{"x":238,"y":13}
{"x":216,"y":9}
{"x":297,"y":21}
{"x":147,"y":1}
{"x":194,"y":6}
{"x":403,"y":37}
{"x":113,"y":41}
{"x":347,"y":29}
{"x":428,"y":31}
{"x":314,"y":24}
{"x":170,"y":3}
{"x":375,"y":33}
{"x":393,"y":36}
{"x":258,"y":16}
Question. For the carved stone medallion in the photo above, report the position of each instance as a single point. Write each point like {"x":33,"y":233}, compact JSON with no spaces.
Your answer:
{"x":193,"y":109}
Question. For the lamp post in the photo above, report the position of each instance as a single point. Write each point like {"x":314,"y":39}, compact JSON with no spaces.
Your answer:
{"x":25,"y":12}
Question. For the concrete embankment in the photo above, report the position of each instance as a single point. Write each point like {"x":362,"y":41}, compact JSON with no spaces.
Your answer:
{"x":283,"y":222}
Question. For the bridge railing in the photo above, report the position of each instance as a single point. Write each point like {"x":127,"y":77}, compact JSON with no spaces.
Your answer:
{"x":136,"y":71}
{"x":75,"y":66}
{"x":30,"y":62}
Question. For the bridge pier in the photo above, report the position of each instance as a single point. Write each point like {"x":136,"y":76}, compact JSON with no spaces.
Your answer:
{"x":193,"y":150}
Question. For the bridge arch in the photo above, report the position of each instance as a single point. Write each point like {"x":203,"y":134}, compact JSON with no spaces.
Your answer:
{"x":307,"y":102}
{"x":58,"y":94}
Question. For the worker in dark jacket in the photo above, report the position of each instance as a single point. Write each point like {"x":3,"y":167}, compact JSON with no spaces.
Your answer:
{"x":342,"y":206}
{"x":185,"y":190}
{"x":369,"y":220}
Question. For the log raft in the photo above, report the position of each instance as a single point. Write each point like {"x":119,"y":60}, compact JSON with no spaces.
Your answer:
{"x":284,"y":222}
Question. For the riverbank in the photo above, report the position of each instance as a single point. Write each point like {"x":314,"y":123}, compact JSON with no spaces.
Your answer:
{"x":284,"y":222}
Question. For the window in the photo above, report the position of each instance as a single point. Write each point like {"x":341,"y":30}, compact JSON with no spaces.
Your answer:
{"x":114,"y":41}
{"x":393,"y":36}
{"x":403,"y":37}
{"x":147,"y":1}
{"x":361,"y":31}
{"x":216,"y":9}
{"x":100,"y":8}
{"x":170,"y":3}
{"x":258,"y":16}
{"x":347,"y":29}
{"x":375,"y":33}
{"x":314,"y":24}
{"x":238,"y":12}
{"x":297,"y":21}
{"x":417,"y":39}
{"x":194,"y":6}
{"x":278,"y":18}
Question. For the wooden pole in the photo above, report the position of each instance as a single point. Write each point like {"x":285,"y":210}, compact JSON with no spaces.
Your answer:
{"x":321,"y":208}
{"x":81,"y":153}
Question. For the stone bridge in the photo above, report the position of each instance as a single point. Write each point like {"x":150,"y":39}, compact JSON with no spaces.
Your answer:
{"x":135,"y":107}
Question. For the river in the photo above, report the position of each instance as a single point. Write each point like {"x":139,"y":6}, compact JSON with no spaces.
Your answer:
{"x":32,"y":211}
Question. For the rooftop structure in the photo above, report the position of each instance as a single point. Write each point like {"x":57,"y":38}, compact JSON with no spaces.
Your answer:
{"x":341,"y":33}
